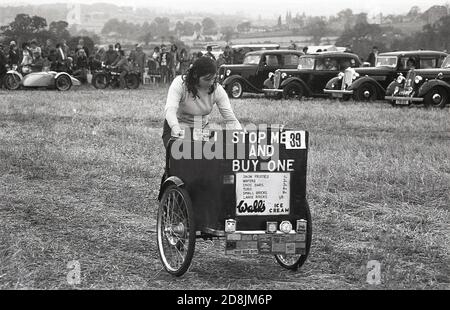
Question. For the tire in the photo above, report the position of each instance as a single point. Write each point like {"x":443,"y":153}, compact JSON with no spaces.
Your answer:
{"x":366,"y":92}
{"x":132,"y":81}
{"x":293,"y":262}
{"x":175,"y":230}
{"x":293,"y":91}
{"x":63,"y":83}
{"x":235,"y":89}
{"x":12,"y":81}
{"x":100,"y":81}
{"x":437,"y":97}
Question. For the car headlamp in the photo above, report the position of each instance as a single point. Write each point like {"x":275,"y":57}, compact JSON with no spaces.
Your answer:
{"x":341,"y":75}
{"x":400,"y":79}
{"x":271,"y":74}
{"x":228,"y":72}
{"x":286,"y":226}
{"x":355,"y":75}
{"x":283,"y":75}
{"x":417,"y":79}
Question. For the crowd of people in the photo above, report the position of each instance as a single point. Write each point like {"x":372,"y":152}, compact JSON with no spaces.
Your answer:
{"x":164,"y":63}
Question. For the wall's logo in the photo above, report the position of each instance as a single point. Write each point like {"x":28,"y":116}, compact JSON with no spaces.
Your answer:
{"x":374,"y":274}
{"x":74,"y":14}
{"x":74,"y":275}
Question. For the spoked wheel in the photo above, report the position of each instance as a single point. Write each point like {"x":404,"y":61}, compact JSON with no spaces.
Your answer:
{"x":235,"y":90}
{"x":291,"y":261}
{"x":63,"y":83}
{"x":100,"y":81}
{"x":12,"y":81}
{"x":132,"y":81}
{"x":176,"y":230}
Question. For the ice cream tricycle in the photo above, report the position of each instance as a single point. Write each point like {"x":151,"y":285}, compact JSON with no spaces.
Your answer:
{"x":247,"y":187}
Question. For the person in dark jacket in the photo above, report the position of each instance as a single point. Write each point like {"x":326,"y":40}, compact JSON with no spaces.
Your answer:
{"x":2,"y":66}
{"x":110,"y":55}
{"x":373,"y":56}
{"x":13,"y":55}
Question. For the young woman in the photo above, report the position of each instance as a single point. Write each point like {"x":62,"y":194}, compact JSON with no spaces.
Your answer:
{"x":194,"y":95}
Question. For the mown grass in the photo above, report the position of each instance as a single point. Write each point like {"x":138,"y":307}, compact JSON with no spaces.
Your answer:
{"x":80,"y":172}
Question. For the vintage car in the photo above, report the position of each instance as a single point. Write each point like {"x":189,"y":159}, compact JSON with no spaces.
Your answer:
{"x":309,"y":78}
{"x":428,"y":86}
{"x":240,"y":50}
{"x":370,"y":83}
{"x":25,"y":77}
{"x":250,"y":76}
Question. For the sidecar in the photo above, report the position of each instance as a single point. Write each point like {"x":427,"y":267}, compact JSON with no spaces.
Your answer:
{"x":62,"y":81}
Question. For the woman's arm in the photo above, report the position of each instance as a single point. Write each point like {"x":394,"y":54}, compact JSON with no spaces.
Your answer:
{"x":174,"y":97}
{"x":224,"y":105}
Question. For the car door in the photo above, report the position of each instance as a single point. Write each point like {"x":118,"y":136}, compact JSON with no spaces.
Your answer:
{"x":269,"y":63}
{"x":324,"y":71}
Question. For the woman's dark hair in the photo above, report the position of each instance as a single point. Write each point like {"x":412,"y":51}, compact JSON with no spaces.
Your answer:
{"x":201,"y":67}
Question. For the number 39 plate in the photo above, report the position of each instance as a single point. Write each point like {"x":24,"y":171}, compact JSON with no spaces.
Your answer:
{"x":295,"y":140}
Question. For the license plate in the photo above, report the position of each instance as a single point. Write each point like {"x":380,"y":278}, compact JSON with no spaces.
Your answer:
{"x":338,"y":95}
{"x":402,"y":102}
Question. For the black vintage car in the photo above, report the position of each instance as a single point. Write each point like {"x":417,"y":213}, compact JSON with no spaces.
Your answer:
{"x":250,"y":76}
{"x":310,"y":76}
{"x":370,"y":83}
{"x":428,"y":86}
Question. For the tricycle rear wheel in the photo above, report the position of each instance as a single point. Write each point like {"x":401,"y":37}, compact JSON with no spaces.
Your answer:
{"x":293,"y":262}
{"x":176,"y":230}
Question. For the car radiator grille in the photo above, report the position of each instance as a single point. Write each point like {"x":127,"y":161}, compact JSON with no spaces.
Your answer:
{"x":347,"y":79}
{"x":276,"y":80}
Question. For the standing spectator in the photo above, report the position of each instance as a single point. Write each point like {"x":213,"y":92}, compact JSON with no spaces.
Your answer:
{"x":228,"y":55}
{"x":65,"y":47}
{"x":293,"y":46}
{"x":209,"y":53}
{"x":60,"y":58}
{"x":165,"y":64}
{"x":373,"y":56}
{"x":38,"y":62}
{"x":47,"y":50}
{"x":132,"y":57}
{"x":110,"y":55}
{"x":27,"y":58}
{"x":184,"y":60}
{"x":13,"y":55}
{"x":175,"y":63}
{"x":118,"y":48}
{"x":305,"y":50}
{"x":81,"y":66}
{"x":220,"y":60}
{"x":123,"y":66}
{"x":34,"y":48}
{"x":140,"y":60}
{"x":81,"y":45}
{"x":2,"y":66}
{"x":348,"y":49}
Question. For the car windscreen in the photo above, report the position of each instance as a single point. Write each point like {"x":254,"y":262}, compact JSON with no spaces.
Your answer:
{"x":252,"y":59}
{"x":446,"y":63}
{"x":306,"y":63}
{"x":386,"y":61}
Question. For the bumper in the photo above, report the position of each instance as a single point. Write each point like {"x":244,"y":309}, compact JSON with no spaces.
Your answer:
{"x":272,"y":90}
{"x":261,"y":242}
{"x":338,"y":93}
{"x":403,"y":99}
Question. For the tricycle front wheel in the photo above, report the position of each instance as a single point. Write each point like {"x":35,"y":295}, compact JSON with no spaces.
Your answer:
{"x":176,"y":230}
{"x":291,"y":261}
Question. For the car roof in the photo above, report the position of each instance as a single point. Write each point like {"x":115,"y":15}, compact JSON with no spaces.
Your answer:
{"x":413,"y":53}
{"x":275,"y":51}
{"x":331,"y":53}
{"x":269,"y":45}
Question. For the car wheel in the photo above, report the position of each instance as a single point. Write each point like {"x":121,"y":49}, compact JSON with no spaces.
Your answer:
{"x":63,"y":83}
{"x":12,"y":81}
{"x":100,"y":81}
{"x":437,"y":97}
{"x":132,"y":81}
{"x":366,"y":92}
{"x":235,"y":89}
{"x":293,"y":91}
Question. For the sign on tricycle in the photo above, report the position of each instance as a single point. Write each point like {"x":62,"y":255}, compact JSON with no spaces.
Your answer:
{"x":246,"y":186}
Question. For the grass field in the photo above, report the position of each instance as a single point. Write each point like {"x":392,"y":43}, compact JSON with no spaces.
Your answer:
{"x":80,"y":173}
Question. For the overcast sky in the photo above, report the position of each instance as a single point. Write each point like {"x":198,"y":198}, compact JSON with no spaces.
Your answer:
{"x":266,"y":8}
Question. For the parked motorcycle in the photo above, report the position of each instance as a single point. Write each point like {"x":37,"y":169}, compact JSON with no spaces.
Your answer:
{"x":110,"y":76}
